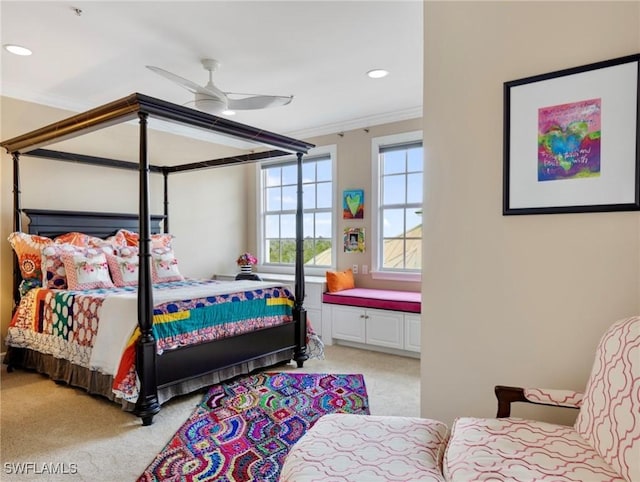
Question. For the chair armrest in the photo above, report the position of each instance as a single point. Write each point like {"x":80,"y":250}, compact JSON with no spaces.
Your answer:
{"x":538,"y":396}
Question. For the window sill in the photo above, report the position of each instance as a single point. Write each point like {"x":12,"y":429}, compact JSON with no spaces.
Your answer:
{"x":396,"y":276}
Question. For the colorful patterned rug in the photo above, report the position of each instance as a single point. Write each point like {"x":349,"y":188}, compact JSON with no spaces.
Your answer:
{"x":243,"y":429}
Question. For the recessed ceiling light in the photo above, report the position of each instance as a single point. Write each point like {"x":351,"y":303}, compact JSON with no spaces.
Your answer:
{"x":377,"y":73}
{"x":17,"y":49}
{"x":229,"y":112}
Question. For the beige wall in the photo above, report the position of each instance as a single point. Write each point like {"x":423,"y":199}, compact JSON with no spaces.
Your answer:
{"x":207,"y":208}
{"x":353,"y":163}
{"x":516,"y":300}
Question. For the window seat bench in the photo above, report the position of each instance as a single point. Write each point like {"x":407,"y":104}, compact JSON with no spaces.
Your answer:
{"x":383,"y":320}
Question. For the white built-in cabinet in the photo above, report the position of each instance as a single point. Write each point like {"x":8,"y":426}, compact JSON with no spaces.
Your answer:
{"x":393,"y":331}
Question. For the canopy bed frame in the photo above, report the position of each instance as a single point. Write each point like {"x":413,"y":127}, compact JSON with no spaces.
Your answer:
{"x":186,"y":363}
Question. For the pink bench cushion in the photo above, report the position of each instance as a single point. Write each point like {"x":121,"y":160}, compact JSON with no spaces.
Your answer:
{"x":409,"y":301}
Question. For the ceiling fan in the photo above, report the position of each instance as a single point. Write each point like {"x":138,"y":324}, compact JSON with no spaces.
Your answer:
{"x":211,"y":99}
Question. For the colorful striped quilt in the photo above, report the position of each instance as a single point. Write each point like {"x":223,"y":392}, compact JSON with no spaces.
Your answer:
{"x":97,"y":329}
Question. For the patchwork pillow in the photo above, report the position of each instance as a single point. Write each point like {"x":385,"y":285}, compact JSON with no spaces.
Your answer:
{"x":53,"y":269}
{"x":161,"y":240}
{"x":28,"y":248}
{"x":340,"y":280}
{"x":124,"y":266}
{"x":87,"y":271}
{"x":164,"y":266}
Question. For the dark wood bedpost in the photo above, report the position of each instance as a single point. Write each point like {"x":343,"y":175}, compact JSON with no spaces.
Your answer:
{"x":165,"y":173}
{"x":17,"y":225}
{"x":299,"y":313}
{"x":147,"y":405}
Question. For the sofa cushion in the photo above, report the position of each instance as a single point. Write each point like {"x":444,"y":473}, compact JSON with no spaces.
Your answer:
{"x":409,"y":301}
{"x":356,"y":448}
{"x":516,"y":449}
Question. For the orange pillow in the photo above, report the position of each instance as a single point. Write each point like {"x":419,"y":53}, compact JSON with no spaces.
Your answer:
{"x":340,"y":280}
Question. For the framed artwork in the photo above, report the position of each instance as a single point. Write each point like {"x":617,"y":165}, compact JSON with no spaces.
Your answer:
{"x":571,"y":140}
{"x":353,"y":204}
{"x":354,"y":240}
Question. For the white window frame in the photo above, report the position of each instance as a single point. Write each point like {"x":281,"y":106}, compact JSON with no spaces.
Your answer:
{"x":377,"y":272}
{"x":331,"y":151}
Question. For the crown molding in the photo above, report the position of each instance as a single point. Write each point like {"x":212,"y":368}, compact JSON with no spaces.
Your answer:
{"x":359,"y":123}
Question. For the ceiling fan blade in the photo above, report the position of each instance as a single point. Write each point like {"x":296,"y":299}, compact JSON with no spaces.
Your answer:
{"x":257,"y":101}
{"x":187,"y":84}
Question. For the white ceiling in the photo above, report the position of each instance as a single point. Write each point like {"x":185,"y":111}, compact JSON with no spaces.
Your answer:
{"x":319,"y":51}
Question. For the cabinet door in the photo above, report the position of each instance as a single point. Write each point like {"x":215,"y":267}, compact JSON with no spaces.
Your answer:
{"x":385,"y":328}
{"x":412,"y":332}
{"x":315,"y":318}
{"x":313,"y":296}
{"x":348,"y":323}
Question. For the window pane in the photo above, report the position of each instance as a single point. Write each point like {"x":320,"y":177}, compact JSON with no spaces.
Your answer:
{"x":324,"y":195}
{"x":272,"y":249}
{"x":414,"y":223}
{"x":272,"y":226}
{"x":289,"y":200}
{"x":289,"y":174}
{"x":393,"y":253}
{"x":307,"y":225}
{"x":308,"y":172}
{"x":273,"y":199}
{"x":323,"y":225}
{"x":288,"y":226}
{"x":393,"y":162}
{"x":413,"y":258}
{"x":321,"y":252}
{"x":324,"y":170}
{"x":414,"y":188}
{"x":272,"y":176}
{"x":393,"y":190}
{"x":414,"y":159}
{"x":288,"y":251}
{"x":392,"y":222}
{"x":309,"y":196}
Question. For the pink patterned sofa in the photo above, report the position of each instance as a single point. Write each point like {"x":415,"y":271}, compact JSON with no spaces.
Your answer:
{"x":603,"y":444}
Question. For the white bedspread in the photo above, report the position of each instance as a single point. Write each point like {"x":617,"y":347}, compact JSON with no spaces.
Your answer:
{"x":118,"y":316}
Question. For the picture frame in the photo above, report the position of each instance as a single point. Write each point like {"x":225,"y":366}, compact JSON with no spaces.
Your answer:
{"x":353,"y":204}
{"x":586,"y":155}
{"x":354,"y":240}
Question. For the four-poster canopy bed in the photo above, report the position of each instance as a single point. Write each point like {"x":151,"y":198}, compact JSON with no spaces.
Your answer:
{"x":188,"y":367}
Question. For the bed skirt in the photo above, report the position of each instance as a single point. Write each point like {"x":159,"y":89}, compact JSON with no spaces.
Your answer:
{"x":97,"y":383}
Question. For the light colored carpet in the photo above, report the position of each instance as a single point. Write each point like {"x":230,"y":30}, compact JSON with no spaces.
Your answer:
{"x":56,"y":427}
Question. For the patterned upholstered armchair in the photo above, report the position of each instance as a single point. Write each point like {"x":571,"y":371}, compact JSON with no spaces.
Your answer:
{"x":603,"y":444}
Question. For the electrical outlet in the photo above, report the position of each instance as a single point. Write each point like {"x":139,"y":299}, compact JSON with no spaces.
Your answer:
{"x":354,"y":268}
{"x":365,"y":269}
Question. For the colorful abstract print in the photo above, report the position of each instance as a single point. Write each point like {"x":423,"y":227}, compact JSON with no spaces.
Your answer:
{"x":569,"y":140}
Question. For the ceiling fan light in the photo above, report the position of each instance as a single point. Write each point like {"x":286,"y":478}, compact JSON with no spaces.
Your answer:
{"x":229,"y":112}
{"x":377,"y":73}
{"x":210,"y":105}
{"x":17,"y":49}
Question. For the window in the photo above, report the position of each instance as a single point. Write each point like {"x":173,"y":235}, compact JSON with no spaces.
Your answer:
{"x":279,"y":199}
{"x":398,"y":169}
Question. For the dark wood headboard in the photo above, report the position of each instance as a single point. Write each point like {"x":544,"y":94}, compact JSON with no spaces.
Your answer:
{"x":54,"y":223}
